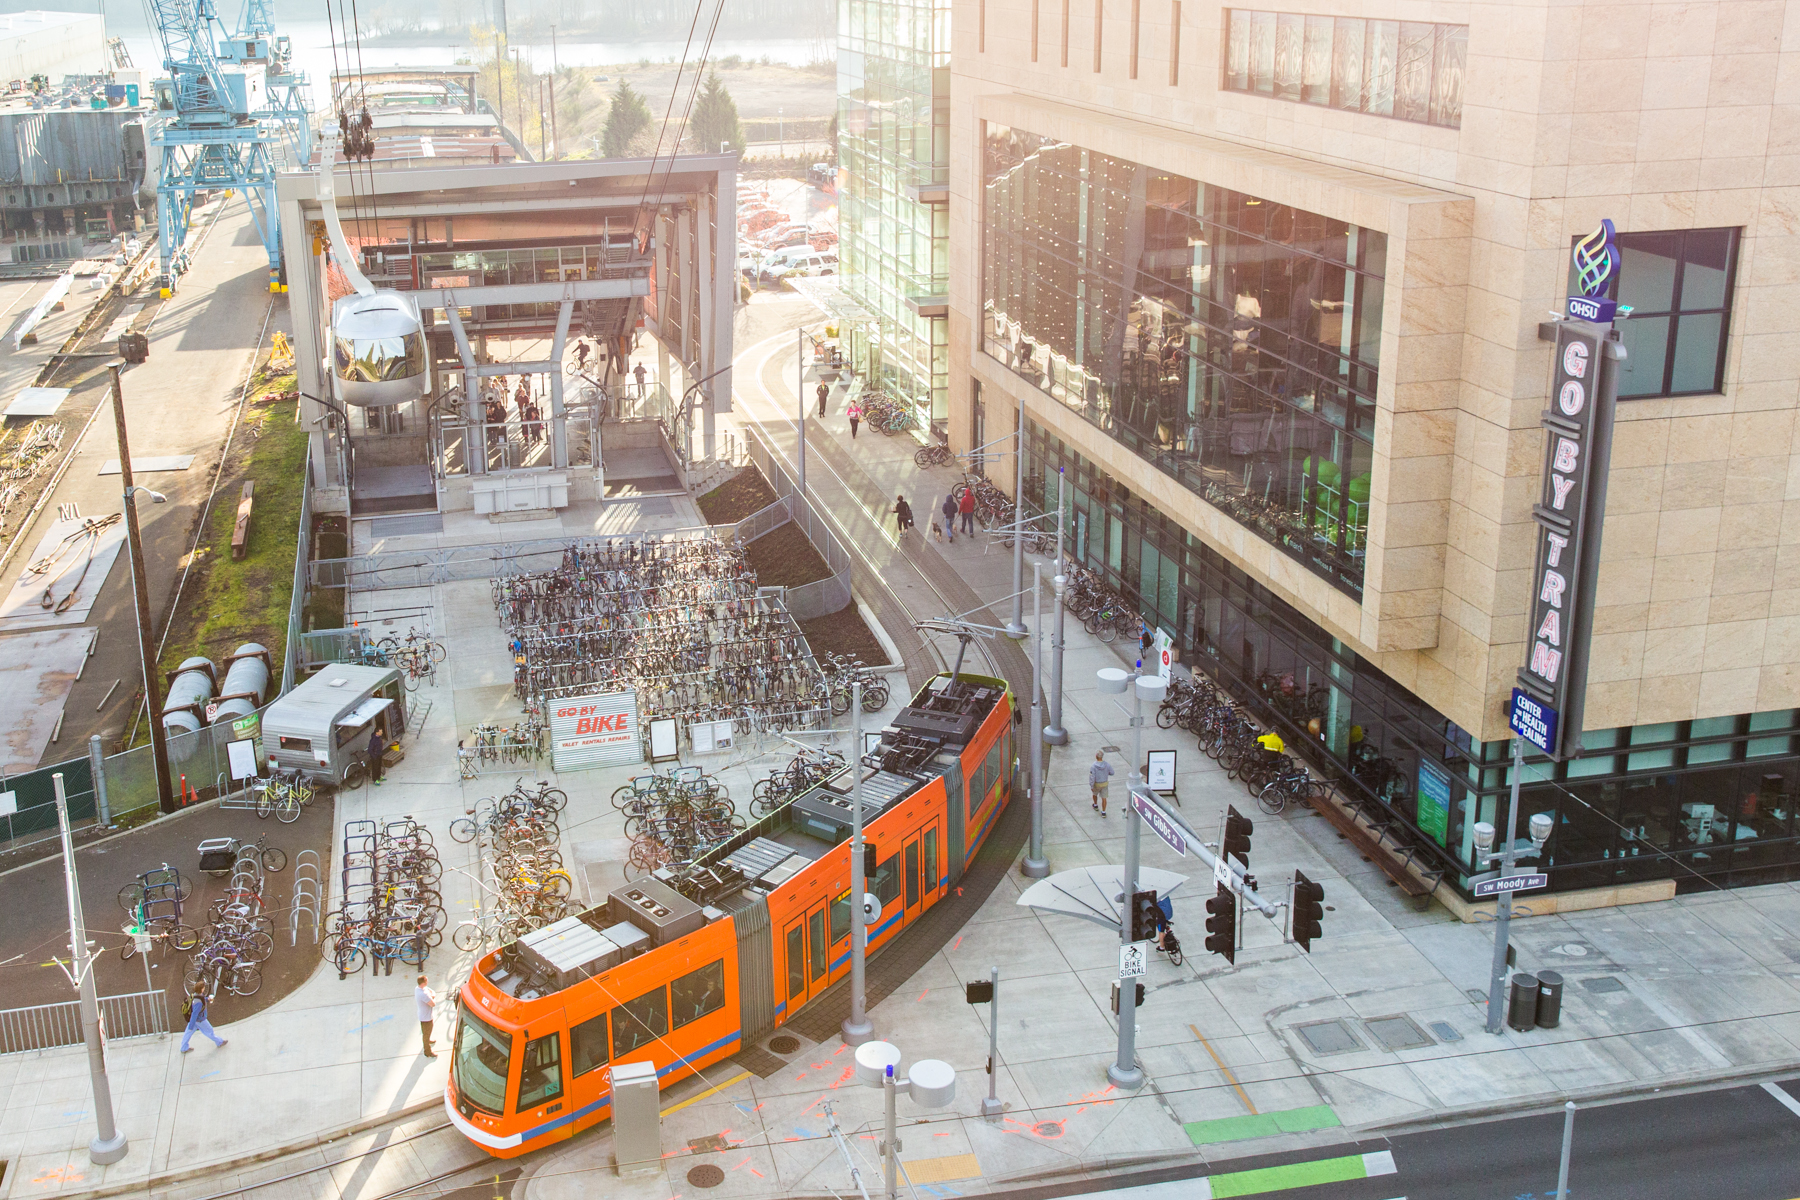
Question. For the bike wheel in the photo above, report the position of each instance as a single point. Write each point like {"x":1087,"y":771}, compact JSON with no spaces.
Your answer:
{"x":129,"y":950}
{"x":354,"y":774}
{"x":274,"y":858}
{"x":840,"y":701}
{"x":184,"y":887}
{"x":264,"y":803}
{"x":467,"y":936}
{"x":349,"y":959}
{"x":1165,"y":718}
{"x":413,"y":951}
{"x":1272,"y":799}
{"x":1175,"y":956}
{"x":923,"y":457}
{"x":555,"y":799}
{"x":437,"y":651}
{"x":246,"y":979}
{"x":130,"y":896}
{"x":875,"y":698}
{"x":1106,"y":631}
{"x":259,"y":946}
{"x":287,"y":809}
{"x":462,"y":830}
{"x":184,"y":937}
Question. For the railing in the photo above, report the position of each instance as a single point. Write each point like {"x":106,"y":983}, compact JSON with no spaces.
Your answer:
{"x":422,"y":568}
{"x":822,"y":596}
{"x":297,"y":602}
{"x":46,"y":1026}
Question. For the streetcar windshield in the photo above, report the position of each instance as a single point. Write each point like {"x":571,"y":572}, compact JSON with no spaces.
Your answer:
{"x":480,"y":1063}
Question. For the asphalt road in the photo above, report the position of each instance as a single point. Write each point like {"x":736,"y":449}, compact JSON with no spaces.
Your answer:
{"x":36,"y":927}
{"x":1732,"y":1143}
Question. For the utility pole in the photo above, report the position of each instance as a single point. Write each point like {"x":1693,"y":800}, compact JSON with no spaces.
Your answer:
{"x":555,"y":139}
{"x":1054,"y":733}
{"x":1015,"y":628}
{"x":159,"y":746}
{"x":1035,"y":865}
{"x":109,"y":1145}
{"x":857,"y":1028}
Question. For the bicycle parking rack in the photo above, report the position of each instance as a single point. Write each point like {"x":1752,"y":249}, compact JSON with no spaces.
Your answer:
{"x":308,"y":898}
{"x":234,"y":799}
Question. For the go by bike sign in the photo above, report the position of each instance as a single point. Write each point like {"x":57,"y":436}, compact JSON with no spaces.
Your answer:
{"x":595,"y":731}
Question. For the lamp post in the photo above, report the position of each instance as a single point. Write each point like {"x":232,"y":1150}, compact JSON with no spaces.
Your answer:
{"x":1054,"y":733}
{"x":931,"y":1084}
{"x":159,"y":746}
{"x":109,"y":1144}
{"x":1015,"y":628}
{"x":857,"y":1027}
{"x":1035,"y":865}
{"x":1124,"y":1072}
{"x":1541,"y":826}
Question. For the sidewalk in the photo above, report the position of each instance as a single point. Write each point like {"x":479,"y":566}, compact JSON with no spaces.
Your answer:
{"x":1382,"y":1024}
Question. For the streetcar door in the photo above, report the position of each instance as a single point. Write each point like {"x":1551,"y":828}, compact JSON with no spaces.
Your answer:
{"x":807,"y":951}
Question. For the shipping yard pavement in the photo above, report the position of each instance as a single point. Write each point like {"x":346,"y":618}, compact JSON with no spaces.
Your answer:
{"x":1315,"y":1066}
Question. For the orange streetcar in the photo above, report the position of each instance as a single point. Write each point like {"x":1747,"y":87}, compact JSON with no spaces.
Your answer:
{"x":683,"y":968}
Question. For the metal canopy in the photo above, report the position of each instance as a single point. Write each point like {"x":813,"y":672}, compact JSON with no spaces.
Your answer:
{"x":1093,"y":893}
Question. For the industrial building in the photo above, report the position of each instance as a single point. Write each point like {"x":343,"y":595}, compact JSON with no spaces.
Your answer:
{"x":1267,"y":287}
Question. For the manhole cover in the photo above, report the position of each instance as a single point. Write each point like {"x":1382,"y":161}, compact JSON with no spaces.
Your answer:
{"x":1048,"y":1129}
{"x":1328,"y":1037}
{"x":1476,"y":995}
{"x":784,"y":1044}
{"x":1571,"y":950}
{"x":1398,"y":1033}
{"x":706,"y":1175}
{"x":1446,"y":1031}
{"x":1604,"y":983}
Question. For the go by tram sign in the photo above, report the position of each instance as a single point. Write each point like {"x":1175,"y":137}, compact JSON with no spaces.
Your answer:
{"x":1584,"y":390}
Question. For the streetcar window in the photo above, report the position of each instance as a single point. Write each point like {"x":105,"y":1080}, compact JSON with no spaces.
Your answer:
{"x":840,"y":918}
{"x":698,"y":993}
{"x":587,"y":1045}
{"x":480,"y":1063}
{"x":821,"y":949}
{"x":930,"y":857}
{"x":912,"y":874}
{"x":887,"y":878}
{"x":638,"y":1023}
{"x":540,"y":1079}
{"x":796,"y":961}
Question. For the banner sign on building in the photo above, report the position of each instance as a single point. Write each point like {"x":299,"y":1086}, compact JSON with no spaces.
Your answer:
{"x":1577,"y":450}
{"x":1596,"y":260}
{"x":1534,"y":722}
{"x":595,"y":731}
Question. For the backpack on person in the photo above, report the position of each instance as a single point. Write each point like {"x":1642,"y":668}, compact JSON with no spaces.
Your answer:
{"x":187,"y":1010}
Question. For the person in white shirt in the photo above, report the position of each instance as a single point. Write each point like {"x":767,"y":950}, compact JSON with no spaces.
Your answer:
{"x":427,"y":1003}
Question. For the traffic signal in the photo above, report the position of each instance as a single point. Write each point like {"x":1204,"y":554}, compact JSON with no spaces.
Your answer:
{"x":1221,"y":924}
{"x":1238,"y":828}
{"x":1309,"y":908}
{"x":1143,"y":916}
{"x":1139,"y":996}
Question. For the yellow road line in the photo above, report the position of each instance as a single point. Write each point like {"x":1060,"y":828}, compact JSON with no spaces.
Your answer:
{"x":713,"y":1091}
{"x":1226,"y":1071}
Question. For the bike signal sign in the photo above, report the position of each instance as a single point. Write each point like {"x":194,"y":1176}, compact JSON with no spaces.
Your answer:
{"x":595,"y":731}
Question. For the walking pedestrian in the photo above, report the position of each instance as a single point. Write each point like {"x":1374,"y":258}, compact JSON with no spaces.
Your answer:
{"x":903,"y":518}
{"x":966,"y":506}
{"x":377,"y":748}
{"x":426,"y":999}
{"x":855,"y":414}
{"x":639,"y":372}
{"x":195,"y":1012}
{"x":824,"y":392}
{"x":948,"y":508}
{"x":1098,"y":776}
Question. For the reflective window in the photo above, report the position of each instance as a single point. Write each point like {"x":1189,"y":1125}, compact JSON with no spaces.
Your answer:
{"x":1412,"y":70}
{"x":698,"y":993}
{"x":480,"y":1063}
{"x":541,"y":1078}
{"x":638,"y":1023}
{"x":1679,"y":285}
{"x":587,"y":1044}
{"x":1231,"y":341}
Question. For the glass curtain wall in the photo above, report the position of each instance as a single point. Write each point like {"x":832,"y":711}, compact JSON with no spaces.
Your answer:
{"x":893,"y":133}
{"x":1701,"y":802}
{"x":1229,"y":341}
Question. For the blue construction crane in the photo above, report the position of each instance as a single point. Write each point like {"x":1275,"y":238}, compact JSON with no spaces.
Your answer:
{"x":234,"y":104}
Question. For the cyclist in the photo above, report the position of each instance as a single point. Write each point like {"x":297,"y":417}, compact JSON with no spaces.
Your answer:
{"x":1272,"y":747}
{"x":1166,"y":941}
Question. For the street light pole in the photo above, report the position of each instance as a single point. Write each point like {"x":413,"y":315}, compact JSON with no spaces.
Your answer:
{"x":1035,"y":865}
{"x":800,"y":393}
{"x":1503,"y":908}
{"x":159,"y":746}
{"x":109,"y":1145}
{"x":857,"y":1028}
{"x":1124,"y":1072}
{"x":1015,"y":628}
{"x":1054,"y":733}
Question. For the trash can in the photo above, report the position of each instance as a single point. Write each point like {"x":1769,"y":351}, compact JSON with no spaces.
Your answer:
{"x":1549,"y":999}
{"x":1521,"y":1008}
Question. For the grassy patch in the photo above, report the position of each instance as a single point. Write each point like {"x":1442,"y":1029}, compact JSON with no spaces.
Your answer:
{"x":744,"y":493}
{"x":227,"y":601}
{"x":785,"y":558}
{"x":846,"y":633}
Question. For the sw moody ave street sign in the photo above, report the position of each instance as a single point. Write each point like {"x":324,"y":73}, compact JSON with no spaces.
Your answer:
{"x":1512,"y":883}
